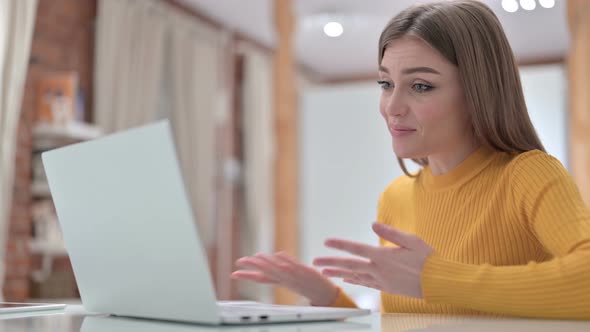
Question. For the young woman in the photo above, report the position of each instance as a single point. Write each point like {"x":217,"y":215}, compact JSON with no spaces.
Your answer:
{"x":491,"y":223}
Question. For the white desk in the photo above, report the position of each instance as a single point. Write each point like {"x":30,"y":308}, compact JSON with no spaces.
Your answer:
{"x":75,"y":319}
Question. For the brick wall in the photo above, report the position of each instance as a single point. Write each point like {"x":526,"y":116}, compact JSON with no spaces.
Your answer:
{"x":63,"y":40}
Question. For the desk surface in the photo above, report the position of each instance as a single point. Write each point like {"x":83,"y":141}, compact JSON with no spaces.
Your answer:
{"x":74,"y":319}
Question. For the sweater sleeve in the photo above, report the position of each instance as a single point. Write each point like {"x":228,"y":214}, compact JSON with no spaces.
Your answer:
{"x":547,"y":201}
{"x":343,"y":300}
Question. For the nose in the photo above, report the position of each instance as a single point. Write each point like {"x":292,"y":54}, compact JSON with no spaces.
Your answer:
{"x":395,"y":105}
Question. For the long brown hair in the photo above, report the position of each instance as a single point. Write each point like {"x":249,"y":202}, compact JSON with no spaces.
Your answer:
{"x":468,"y":34}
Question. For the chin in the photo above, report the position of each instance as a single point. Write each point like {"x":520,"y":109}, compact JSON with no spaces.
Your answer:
{"x":405,"y":152}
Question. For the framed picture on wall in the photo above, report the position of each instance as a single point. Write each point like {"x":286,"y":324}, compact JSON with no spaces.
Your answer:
{"x":56,"y":97}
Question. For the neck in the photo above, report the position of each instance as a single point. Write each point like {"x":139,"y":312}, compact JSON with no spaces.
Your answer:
{"x":444,"y":162}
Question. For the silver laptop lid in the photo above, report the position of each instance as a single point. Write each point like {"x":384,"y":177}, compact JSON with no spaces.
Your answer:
{"x":128,"y":227}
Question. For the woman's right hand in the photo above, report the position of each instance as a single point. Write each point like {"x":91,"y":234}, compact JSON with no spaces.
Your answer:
{"x":282,"y":270}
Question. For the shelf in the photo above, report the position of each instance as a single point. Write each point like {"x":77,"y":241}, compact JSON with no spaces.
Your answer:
{"x":47,"y":248}
{"x":49,"y":136}
{"x":40,"y":189}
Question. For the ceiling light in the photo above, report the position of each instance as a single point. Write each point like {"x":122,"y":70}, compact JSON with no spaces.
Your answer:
{"x":547,"y":3}
{"x":528,"y":4}
{"x":333,"y":29}
{"x":510,"y":5}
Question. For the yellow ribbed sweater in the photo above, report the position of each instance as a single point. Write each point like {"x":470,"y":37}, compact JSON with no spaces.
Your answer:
{"x":511,"y":236}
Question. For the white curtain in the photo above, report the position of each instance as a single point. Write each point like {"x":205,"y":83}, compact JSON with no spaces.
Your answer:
{"x":258,"y":124}
{"x":154,"y":62}
{"x":17,"y":18}
{"x":197,"y":95}
{"x":128,"y":66}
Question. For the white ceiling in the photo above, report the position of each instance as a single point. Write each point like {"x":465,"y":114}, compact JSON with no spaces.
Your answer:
{"x":537,"y":34}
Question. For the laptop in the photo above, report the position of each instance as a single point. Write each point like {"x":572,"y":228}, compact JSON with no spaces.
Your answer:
{"x":133,"y":243}
{"x":14,"y":307}
{"x":110,"y":323}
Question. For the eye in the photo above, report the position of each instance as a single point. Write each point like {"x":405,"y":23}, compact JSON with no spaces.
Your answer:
{"x":384,"y":85}
{"x":421,"y":87}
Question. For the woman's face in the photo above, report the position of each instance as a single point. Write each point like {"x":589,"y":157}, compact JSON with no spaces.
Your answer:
{"x":422,"y":100}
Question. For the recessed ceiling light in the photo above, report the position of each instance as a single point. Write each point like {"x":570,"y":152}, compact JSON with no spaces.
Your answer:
{"x":528,"y":4}
{"x":333,"y":29}
{"x":547,"y":3}
{"x":510,"y":5}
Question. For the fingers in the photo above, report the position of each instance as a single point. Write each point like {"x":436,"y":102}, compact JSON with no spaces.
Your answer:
{"x":283,"y":256}
{"x":277,"y":266}
{"x":347,"y":274}
{"x":352,"y":277}
{"x":257,"y":264}
{"x":361,"y":283}
{"x":354,"y":248}
{"x":286,"y":262}
{"x":393,"y":235}
{"x":294,"y":267}
{"x":253,"y":276}
{"x":271,"y":267}
{"x":344,"y":262}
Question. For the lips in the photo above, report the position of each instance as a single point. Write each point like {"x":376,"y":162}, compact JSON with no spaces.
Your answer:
{"x":399,"y":127}
{"x":400,"y":131}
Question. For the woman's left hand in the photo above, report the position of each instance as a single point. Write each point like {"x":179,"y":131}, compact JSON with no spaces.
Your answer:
{"x":388,"y":269}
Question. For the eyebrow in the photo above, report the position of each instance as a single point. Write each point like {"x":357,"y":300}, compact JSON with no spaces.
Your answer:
{"x":413,"y":70}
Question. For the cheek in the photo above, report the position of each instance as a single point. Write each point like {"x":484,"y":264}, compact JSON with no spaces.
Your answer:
{"x":441,"y":116}
{"x":382,"y":107}
{"x":429,"y":117}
